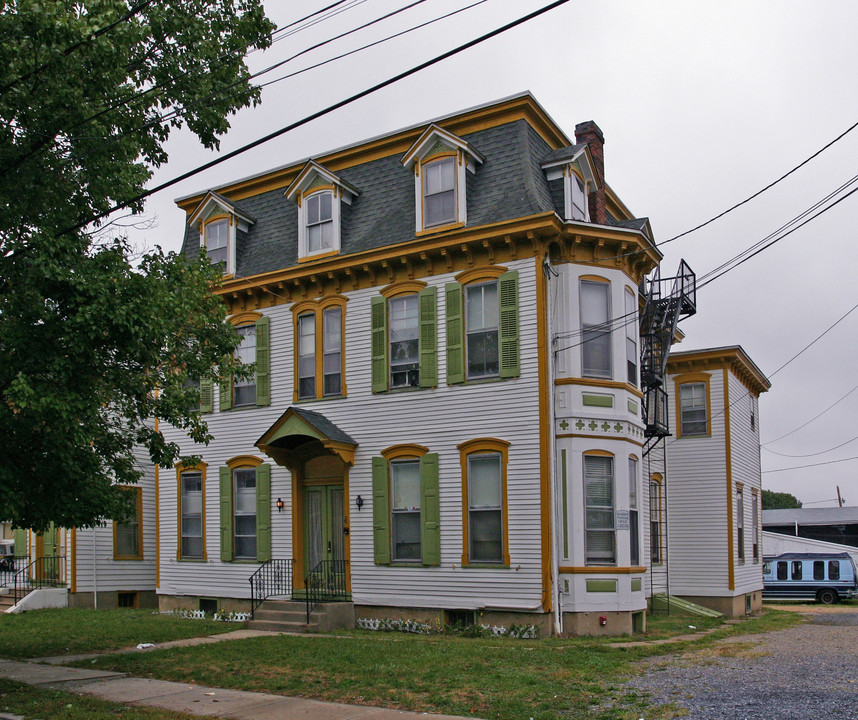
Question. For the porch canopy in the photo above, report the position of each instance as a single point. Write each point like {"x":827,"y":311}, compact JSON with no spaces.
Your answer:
{"x":299,"y":435}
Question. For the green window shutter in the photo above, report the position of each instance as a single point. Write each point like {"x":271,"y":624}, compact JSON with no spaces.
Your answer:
{"x":378,"y":312}
{"x":263,"y":512}
{"x":430,"y":516}
{"x":263,"y":362}
{"x":455,"y":334}
{"x":380,"y":511}
{"x":226,"y":394}
{"x":22,"y":548}
{"x":428,"y":337}
{"x":206,"y":395}
{"x":508,"y":295}
{"x":226,"y":514}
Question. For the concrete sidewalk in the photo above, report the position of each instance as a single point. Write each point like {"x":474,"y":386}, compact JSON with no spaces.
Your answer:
{"x":194,"y":699}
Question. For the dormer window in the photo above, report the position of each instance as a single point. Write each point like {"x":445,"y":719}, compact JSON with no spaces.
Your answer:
{"x":578,"y":191}
{"x":572,"y":169}
{"x":220,"y":223}
{"x":319,"y":195}
{"x":440,"y":162}
{"x":439,"y":192}
{"x":217,"y":241}
{"x":320,"y":224}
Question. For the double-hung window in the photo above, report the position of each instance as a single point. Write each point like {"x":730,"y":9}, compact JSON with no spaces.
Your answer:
{"x":320,"y":222}
{"x":634,"y":528}
{"x":319,"y":351}
{"x":692,"y":409}
{"x":755,"y":522}
{"x":482,"y":325}
{"x":217,"y":241}
{"x":631,"y":337}
{"x":253,"y":330}
{"x":485,"y":509}
{"x":481,"y":330}
{"x":244,"y":512}
{"x":404,"y":323}
{"x":128,"y":536}
{"x":740,"y":523}
{"x":439,"y":192}
{"x":244,"y":390}
{"x":579,"y":198}
{"x":596,"y":327}
{"x":191,"y":514}
{"x":600,"y":540}
{"x":655,"y":521}
{"x":406,"y":510}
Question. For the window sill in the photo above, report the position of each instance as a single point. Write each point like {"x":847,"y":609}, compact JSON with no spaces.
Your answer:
{"x":191,"y":560}
{"x":320,"y":399}
{"x":486,"y":566}
{"x":318,"y":256}
{"x":432,"y":229}
{"x":238,"y":408}
{"x":409,"y":388}
{"x":128,"y":558}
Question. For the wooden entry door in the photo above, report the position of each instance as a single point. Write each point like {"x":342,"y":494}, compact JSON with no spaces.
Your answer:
{"x":324,"y":525}
{"x":47,"y":554}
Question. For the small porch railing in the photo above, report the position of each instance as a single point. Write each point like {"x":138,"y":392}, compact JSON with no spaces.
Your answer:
{"x":9,"y":567}
{"x":326,"y":581}
{"x":45,"y":571}
{"x":274,"y":577}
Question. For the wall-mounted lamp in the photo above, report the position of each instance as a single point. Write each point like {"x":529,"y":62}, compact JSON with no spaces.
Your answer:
{"x":280,"y":505}
{"x":359,"y":502}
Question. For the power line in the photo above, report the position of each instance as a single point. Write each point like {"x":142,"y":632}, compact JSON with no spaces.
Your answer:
{"x":821,"y":452}
{"x":799,"y":467}
{"x":760,"y":192}
{"x":320,"y":113}
{"x":815,"y":417}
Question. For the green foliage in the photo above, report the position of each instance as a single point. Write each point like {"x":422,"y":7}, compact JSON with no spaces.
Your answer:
{"x":97,"y":346}
{"x":779,"y":500}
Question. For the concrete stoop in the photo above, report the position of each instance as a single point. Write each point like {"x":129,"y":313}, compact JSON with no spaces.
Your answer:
{"x":291,"y":616}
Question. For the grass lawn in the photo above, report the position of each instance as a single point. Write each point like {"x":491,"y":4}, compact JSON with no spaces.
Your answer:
{"x":32,"y":702}
{"x":496,"y":678}
{"x":71,"y":631}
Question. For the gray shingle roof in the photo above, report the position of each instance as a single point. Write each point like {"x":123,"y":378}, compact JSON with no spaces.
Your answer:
{"x":509,"y":184}
{"x":323,"y":425}
{"x":561,"y":154}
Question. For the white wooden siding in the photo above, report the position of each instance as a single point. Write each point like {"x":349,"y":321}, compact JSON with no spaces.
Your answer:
{"x":439,"y":418}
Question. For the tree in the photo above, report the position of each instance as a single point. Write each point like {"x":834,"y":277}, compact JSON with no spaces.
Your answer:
{"x":97,"y":347}
{"x":779,"y":500}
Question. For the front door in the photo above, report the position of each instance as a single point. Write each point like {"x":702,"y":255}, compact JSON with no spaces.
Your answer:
{"x":47,"y":554}
{"x":324,"y":524}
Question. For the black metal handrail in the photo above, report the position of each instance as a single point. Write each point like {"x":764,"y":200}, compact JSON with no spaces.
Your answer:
{"x":274,"y":577}
{"x":45,"y":571}
{"x":9,"y":566}
{"x":326,"y":581}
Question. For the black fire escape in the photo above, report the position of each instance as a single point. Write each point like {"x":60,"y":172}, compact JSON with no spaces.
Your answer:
{"x":667,"y":301}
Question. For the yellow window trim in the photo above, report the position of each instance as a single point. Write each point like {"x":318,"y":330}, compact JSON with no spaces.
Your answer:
{"x":479,"y":274}
{"x":614,"y":384}
{"x":594,"y":278}
{"x":180,"y":468}
{"x":318,"y":256}
{"x":435,"y":229}
{"x":690,"y":378}
{"x":404,"y":450}
{"x":243,"y":461}
{"x":598,"y":570}
{"x":139,"y":503}
{"x":632,"y":456}
{"x":448,"y":226}
{"x":318,"y":189}
{"x":403,"y":287}
{"x":598,"y":453}
{"x":244,"y":318}
{"x":479,"y":446}
{"x":317,"y":309}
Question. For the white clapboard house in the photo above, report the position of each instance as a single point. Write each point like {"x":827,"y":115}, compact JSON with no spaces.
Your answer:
{"x":705,"y":531}
{"x":446,"y":417}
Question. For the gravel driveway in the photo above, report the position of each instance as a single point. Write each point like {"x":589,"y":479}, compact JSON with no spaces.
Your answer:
{"x":807,"y":672}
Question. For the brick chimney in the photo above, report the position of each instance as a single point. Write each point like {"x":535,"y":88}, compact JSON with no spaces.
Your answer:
{"x":588,"y":132}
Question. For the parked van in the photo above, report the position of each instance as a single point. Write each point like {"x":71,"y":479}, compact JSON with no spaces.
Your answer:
{"x":825,"y":577}
{"x":7,"y":555}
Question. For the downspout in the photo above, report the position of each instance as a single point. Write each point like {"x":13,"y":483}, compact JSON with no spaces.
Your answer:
{"x":94,"y":573}
{"x":552,"y":444}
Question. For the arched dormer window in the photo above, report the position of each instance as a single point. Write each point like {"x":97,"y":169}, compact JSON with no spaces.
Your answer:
{"x":320,"y":196}
{"x":440,"y":161}
{"x":219,"y":222}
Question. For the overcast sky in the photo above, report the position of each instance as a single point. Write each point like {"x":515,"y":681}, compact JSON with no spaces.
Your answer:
{"x":701,"y":104}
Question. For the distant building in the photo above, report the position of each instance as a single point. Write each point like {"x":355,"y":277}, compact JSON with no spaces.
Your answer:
{"x":835,"y":525}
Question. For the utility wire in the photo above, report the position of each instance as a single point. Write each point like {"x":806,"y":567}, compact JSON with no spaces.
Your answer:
{"x":815,"y":417}
{"x":821,"y":452}
{"x":799,"y":467}
{"x":760,"y":192}
{"x":309,"y":118}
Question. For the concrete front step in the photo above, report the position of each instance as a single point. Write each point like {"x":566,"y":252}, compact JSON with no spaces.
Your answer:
{"x":291,"y":616}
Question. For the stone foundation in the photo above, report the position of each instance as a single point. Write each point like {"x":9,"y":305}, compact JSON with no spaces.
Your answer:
{"x":167,"y":603}
{"x":109,"y":600}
